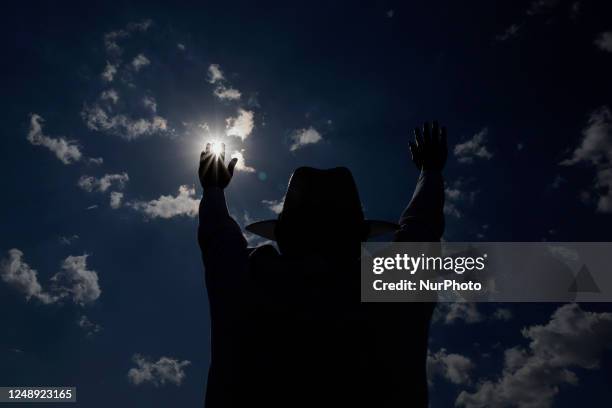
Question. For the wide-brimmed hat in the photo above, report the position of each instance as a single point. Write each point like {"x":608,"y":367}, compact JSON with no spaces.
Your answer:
{"x":328,"y":195}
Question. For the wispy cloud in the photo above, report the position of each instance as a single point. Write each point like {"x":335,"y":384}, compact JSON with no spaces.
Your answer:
{"x":457,"y":196}
{"x":90,"y":183}
{"x":112,"y":38}
{"x":276,"y":206}
{"x":604,"y":41}
{"x":302,"y":137}
{"x":110,"y":95}
{"x":100,"y":119}
{"x":510,"y":32}
{"x":139,"y":62}
{"x":66,"y":150}
{"x":222,"y":90}
{"x":229,"y":94}
{"x":541,"y":6}
{"x":68,"y":240}
{"x":449,"y":313}
{"x":596,"y":150}
{"x":109,"y":72}
{"x":502,"y":314}
{"x":215,"y":74}
{"x":150,"y":103}
{"x":167,"y":206}
{"x":164,"y":370}
{"x":473,"y":148}
{"x":451,"y":366}
{"x":116,"y":199}
{"x":89,"y":327}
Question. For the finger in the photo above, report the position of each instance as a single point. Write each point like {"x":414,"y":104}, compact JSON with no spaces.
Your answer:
{"x":207,"y":150}
{"x":435,"y":132}
{"x":231,"y":165}
{"x":222,"y":155}
{"x":418,"y":136}
{"x":413,"y":151}
{"x":426,"y":132}
{"x":443,"y":137}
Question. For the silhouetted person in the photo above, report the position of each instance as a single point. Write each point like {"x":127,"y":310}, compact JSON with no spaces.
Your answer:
{"x":288,"y":327}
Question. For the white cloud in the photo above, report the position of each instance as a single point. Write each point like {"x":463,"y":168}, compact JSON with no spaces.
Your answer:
{"x":241,"y":165}
{"x":165,"y":370}
{"x":252,"y":239}
{"x":511,"y":32}
{"x":76,"y":281}
{"x":455,"y":197}
{"x":90,"y":183}
{"x":116,"y":199}
{"x":97,"y":118}
{"x":222,"y":90}
{"x":110,"y":70}
{"x":240,"y":126}
{"x":181,"y":46}
{"x":111,"y":39}
{"x":225,"y":93}
{"x":88,"y":326}
{"x":303,"y":137}
{"x":604,"y":41}
{"x":596,"y":150}
{"x":215,"y":74}
{"x":110,"y":95}
{"x":450,"y":313}
{"x":150,"y":103}
{"x":532,"y":376}
{"x":68,"y":240}
{"x":18,"y":274}
{"x":167,"y":206}
{"x":276,"y":206}
{"x":65,"y":150}
{"x":502,"y":314}
{"x":450,"y":203}
{"x":454,"y":367}
{"x":541,"y":6}
{"x":139,"y":62}
{"x":474,"y":148}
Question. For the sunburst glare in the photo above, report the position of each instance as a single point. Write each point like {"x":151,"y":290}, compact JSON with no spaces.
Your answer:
{"x":217,"y":148}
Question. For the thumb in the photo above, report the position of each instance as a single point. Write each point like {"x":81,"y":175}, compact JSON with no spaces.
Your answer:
{"x":231,"y":165}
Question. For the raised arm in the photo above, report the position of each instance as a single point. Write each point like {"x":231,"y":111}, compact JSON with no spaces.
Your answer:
{"x":423,"y":218}
{"x":224,"y":249}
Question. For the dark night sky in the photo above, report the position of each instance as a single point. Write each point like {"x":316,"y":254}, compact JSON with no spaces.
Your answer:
{"x":521,"y":85}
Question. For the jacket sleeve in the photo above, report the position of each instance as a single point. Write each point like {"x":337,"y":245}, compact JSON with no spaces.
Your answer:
{"x":423,"y":219}
{"x":224,"y":252}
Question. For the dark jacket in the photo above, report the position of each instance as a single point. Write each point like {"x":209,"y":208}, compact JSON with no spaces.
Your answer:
{"x":291,"y":331}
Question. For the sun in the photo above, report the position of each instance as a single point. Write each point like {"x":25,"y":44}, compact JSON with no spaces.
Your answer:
{"x":217,"y":148}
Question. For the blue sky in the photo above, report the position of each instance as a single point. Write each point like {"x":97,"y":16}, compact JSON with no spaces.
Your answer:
{"x":107,"y":106}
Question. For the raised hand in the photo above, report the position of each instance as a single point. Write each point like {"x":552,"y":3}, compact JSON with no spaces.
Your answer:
{"x":212,"y":171}
{"x":429,"y":149}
